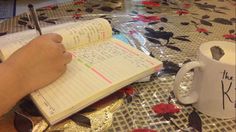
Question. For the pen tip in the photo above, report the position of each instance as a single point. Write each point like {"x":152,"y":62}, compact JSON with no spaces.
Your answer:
{"x":30,"y":6}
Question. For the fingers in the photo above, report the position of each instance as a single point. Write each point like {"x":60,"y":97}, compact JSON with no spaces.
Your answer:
{"x":61,"y":47}
{"x":68,"y":57}
{"x":60,"y":50}
{"x":55,"y":37}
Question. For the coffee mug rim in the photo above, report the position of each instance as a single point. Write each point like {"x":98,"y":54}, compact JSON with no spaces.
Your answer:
{"x":210,"y":42}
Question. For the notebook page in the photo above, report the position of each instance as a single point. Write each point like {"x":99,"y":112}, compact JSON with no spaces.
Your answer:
{"x":85,"y":33}
{"x":74,"y":35}
{"x":95,"y":72}
{"x":10,"y":43}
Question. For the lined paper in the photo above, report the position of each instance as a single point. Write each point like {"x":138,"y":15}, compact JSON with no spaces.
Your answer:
{"x":100,"y":66}
{"x":75,"y":35}
{"x":85,"y":33}
{"x":94,"y":69}
{"x":12,"y":42}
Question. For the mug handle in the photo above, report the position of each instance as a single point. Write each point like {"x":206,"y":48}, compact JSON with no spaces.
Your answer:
{"x":193,"y":95}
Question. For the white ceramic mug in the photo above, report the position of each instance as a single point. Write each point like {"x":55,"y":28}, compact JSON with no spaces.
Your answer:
{"x":213,"y":88}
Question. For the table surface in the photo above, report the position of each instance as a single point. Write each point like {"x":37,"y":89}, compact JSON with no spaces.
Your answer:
{"x":185,"y":26}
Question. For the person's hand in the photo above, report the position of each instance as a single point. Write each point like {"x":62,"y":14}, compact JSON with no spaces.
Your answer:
{"x":39,"y":63}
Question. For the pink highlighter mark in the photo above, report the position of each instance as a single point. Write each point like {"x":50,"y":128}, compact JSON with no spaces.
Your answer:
{"x":93,"y":69}
{"x":102,"y":76}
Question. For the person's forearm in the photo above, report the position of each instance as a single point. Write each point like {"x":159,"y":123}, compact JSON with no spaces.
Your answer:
{"x":30,"y":68}
{"x":10,"y":89}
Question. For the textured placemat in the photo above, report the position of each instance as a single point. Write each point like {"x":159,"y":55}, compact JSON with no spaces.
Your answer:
{"x":184,"y":28}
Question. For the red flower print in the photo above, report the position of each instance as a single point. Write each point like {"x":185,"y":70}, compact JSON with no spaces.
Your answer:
{"x":163,"y":109}
{"x":229,"y":36}
{"x":186,"y":5}
{"x":202,"y":30}
{"x":182,"y":12}
{"x":50,"y":7}
{"x":128,"y":90}
{"x":132,"y":32}
{"x":143,"y":130}
{"x":76,"y":16}
{"x":146,"y":18}
{"x":79,"y":2}
{"x":150,"y":3}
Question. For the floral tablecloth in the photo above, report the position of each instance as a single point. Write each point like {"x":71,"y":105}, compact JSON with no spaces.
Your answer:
{"x":181,"y":25}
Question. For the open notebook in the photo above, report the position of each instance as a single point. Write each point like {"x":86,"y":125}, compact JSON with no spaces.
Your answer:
{"x":101,"y":65}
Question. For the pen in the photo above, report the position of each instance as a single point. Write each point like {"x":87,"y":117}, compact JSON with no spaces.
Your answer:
{"x":34,"y":18}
